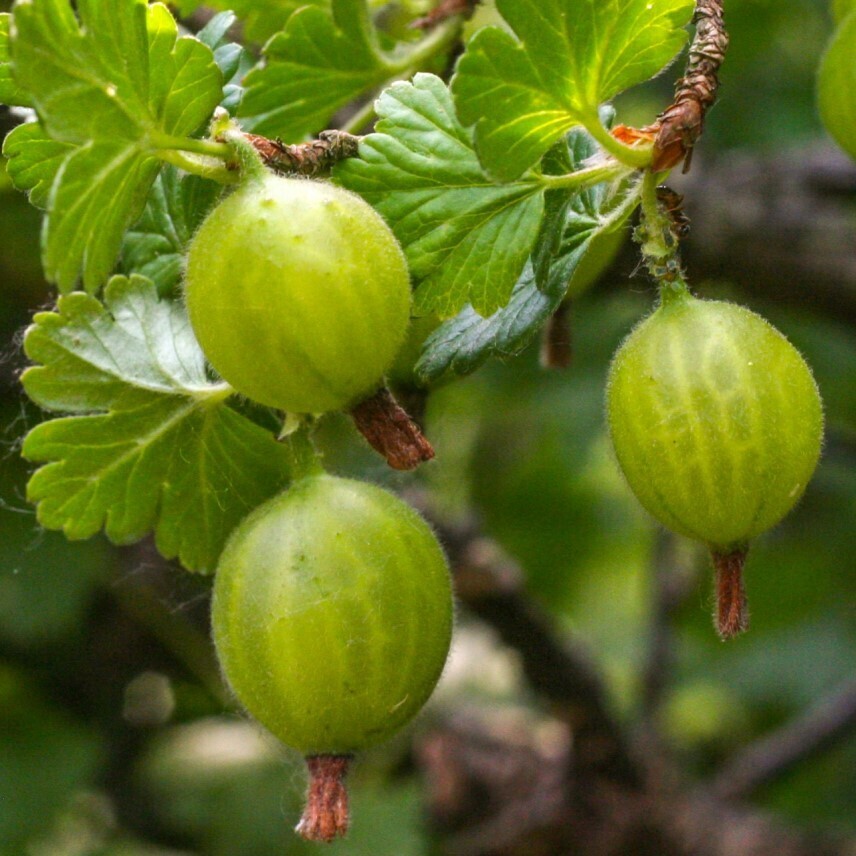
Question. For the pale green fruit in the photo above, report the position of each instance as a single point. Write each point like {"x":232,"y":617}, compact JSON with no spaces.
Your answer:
{"x":298,"y":293}
{"x":332,"y":614}
{"x":715,"y":419}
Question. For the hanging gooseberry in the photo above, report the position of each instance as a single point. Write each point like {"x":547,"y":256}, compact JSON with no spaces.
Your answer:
{"x":717,"y":424}
{"x":332,"y":619}
{"x":298,"y":293}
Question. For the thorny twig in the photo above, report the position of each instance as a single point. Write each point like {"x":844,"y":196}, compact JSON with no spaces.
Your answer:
{"x":774,"y":755}
{"x":680,"y":125}
{"x":310,"y":158}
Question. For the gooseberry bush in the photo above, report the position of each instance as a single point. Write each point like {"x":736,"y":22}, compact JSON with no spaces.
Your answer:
{"x":240,"y":239}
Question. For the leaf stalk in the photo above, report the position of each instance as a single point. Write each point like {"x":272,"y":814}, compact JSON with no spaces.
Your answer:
{"x":584,"y":178}
{"x":631,"y":156}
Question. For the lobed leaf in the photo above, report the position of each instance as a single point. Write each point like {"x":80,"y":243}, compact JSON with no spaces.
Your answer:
{"x":156,"y":244}
{"x":322,"y":61}
{"x":590,"y":232}
{"x":99,"y":189}
{"x":233,"y":60}
{"x":465,"y":237}
{"x":462,"y":344}
{"x":113,"y":86}
{"x":160,"y":450}
{"x":837,"y":86}
{"x":261,"y":19}
{"x":568,"y":58}
{"x":10,"y":93}
{"x":34,"y":159}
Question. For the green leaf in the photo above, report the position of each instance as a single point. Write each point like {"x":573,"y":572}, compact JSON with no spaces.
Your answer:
{"x":842,"y":8}
{"x":569,"y":57}
{"x":233,"y":60}
{"x":837,"y":86}
{"x":158,"y":450}
{"x":155,"y":246}
{"x":10,"y":93}
{"x":34,"y":159}
{"x":321,"y":62}
{"x":117,"y":85}
{"x":462,"y":344}
{"x":261,"y":19}
{"x":592,"y":226}
{"x":325,"y":59}
{"x":99,"y":190}
{"x":465,"y":237}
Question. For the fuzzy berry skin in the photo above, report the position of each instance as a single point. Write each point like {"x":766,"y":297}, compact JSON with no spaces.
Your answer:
{"x":332,"y":614}
{"x":715,"y":419}
{"x":298,"y":293}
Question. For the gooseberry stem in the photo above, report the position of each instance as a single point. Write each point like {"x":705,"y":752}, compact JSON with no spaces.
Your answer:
{"x":732,"y":615}
{"x":637,"y":158}
{"x":325,"y":817}
{"x":249,"y":161}
{"x":201,"y":165}
{"x":304,"y":460}
{"x":659,"y":243}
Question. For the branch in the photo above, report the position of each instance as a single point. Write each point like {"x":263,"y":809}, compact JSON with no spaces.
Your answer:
{"x":556,"y":342}
{"x":495,"y":786}
{"x":490,"y":584}
{"x":680,"y":125}
{"x":310,"y":158}
{"x":773,"y":756}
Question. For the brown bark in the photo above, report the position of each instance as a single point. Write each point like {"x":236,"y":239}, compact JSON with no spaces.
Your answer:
{"x":681,"y":124}
{"x":310,"y":158}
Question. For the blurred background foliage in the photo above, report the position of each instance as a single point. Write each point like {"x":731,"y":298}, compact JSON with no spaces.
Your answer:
{"x":115,"y":734}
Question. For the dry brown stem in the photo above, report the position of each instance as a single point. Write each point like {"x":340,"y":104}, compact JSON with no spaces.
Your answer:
{"x":680,"y":125}
{"x":556,"y":345}
{"x":325,"y":817}
{"x":390,"y":431}
{"x":310,"y":158}
{"x":732,"y":616}
{"x":444,"y":10}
